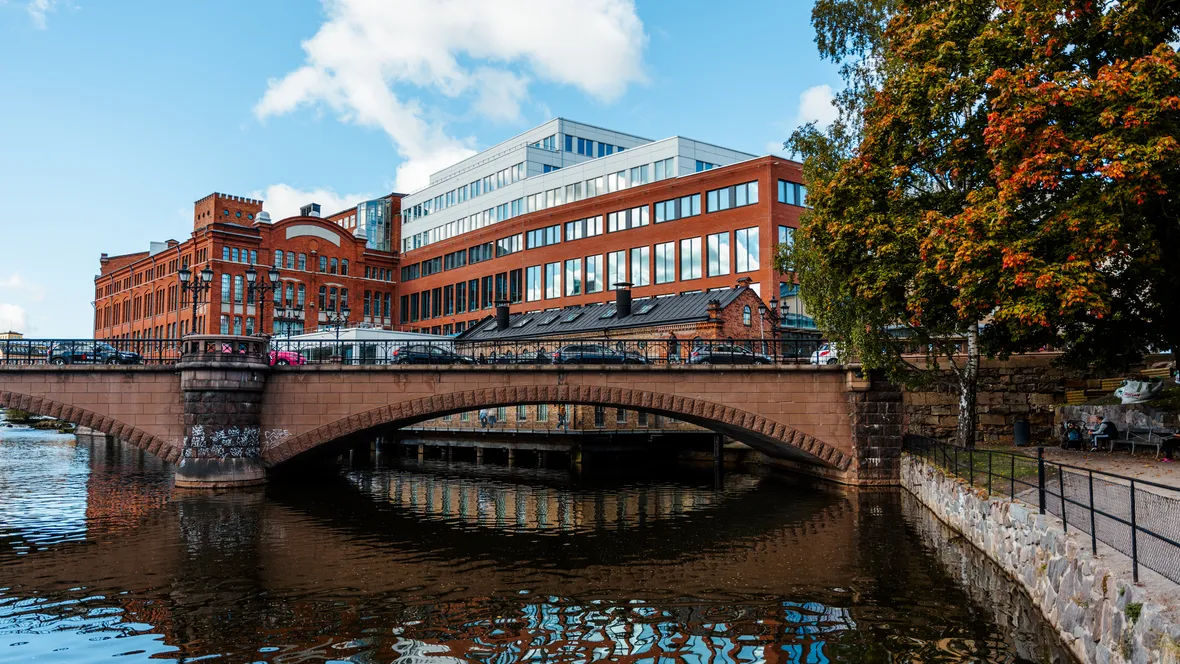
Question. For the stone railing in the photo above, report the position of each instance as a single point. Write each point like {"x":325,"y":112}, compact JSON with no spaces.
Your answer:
{"x":223,"y":349}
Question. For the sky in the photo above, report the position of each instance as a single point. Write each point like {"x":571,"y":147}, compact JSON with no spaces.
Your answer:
{"x":116,"y":116}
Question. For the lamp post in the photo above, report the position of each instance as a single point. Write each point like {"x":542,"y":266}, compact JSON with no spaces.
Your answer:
{"x":775,"y":335}
{"x":338,"y":319}
{"x":259,"y":291}
{"x":195,"y":288}
{"x":762,"y":324}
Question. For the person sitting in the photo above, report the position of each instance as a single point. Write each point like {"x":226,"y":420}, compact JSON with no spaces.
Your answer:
{"x":1106,"y":432}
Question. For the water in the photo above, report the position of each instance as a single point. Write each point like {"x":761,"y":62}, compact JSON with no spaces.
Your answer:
{"x":427,"y":563}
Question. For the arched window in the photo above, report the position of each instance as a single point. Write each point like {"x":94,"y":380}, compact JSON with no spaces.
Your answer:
{"x":746,"y":315}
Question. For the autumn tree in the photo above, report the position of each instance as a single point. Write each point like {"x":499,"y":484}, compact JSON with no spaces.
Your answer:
{"x":963,"y":205}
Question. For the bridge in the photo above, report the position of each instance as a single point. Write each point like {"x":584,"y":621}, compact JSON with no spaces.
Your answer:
{"x":225,"y":417}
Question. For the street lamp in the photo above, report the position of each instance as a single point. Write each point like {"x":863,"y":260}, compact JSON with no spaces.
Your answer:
{"x":195,"y":288}
{"x":259,"y":291}
{"x":775,"y":332}
{"x":338,"y":319}
{"x":762,"y":324}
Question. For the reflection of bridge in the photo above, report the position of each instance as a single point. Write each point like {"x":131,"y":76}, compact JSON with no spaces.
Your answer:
{"x":226,"y":416}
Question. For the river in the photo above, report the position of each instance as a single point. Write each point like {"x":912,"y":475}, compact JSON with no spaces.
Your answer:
{"x":432,"y":563}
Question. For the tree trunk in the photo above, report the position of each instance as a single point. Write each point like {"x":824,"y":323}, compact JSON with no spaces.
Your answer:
{"x":968,"y":381}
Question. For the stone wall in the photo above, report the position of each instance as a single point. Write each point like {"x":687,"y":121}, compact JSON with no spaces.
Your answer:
{"x":1025,"y":386}
{"x":1098,"y":613}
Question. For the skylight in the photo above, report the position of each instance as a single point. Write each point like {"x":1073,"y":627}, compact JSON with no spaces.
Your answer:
{"x":549,"y":319}
{"x":608,"y":313}
{"x":573,"y":316}
{"x":647,"y":306}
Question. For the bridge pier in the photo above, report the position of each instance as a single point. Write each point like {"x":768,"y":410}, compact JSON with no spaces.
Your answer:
{"x":222,"y":380}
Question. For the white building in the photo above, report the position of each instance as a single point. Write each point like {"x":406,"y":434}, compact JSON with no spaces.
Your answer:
{"x":558,"y":162}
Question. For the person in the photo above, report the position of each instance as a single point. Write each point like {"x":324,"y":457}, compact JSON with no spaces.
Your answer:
{"x":1170,"y":447}
{"x":561,"y":418}
{"x":673,"y":349}
{"x":483,"y":417}
{"x":1106,"y":432}
{"x":1072,"y":440}
{"x":492,"y":419}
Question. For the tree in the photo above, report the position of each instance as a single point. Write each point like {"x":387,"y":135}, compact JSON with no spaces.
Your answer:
{"x":999,"y":162}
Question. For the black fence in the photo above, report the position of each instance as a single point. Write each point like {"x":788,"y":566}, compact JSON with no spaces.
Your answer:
{"x":548,"y":351}
{"x":557,"y":350}
{"x":1138,"y":518}
{"x":88,"y":351}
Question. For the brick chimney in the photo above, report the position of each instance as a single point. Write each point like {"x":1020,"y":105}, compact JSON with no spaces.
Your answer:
{"x":714,"y":309}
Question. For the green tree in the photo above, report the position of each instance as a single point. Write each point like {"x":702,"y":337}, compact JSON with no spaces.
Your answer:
{"x":959,"y":187}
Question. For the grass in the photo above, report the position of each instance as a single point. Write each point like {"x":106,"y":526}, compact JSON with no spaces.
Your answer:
{"x":974,"y":468}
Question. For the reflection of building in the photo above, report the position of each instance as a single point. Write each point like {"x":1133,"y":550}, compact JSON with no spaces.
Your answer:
{"x":11,"y":335}
{"x":522,"y":507}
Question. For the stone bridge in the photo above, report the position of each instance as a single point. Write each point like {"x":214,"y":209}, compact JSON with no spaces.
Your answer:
{"x":225,"y":418}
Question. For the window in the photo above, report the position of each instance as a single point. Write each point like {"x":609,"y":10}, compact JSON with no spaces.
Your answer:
{"x":620,"y":416}
{"x":639,"y":175}
{"x":666,"y":263}
{"x":678,"y":208}
{"x":461,"y":297}
{"x":344,"y":266}
{"x":508,"y":245}
{"x":641,"y":266}
{"x":225,"y":253}
{"x":625,"y":219}
{"x":515,"y":294}
{"x":302,"y":261}
{"x":642,"y":418}
{"x":786,"y":235}
{"x":522,"y":413}
{"x":473,"y":295}
{"x":533,"y":283}
{"x":486,"y":294}
{"x":302,"y":293}
{"x":746,"y":315}
{"x":332,"y":268}
{"x":600,"y":416}
{"x":323,"y":263}
{"x":576,"y":230}
{"x":253,"y":257}
{"x":543,"y":237}
{"x":225,"y":281}
{"x":224,"y":324}
{"x":552,"y":280}
{"x":323,"y":300}
{"x":573,"y":192}
{"x":368,"y":299}
{"x":731,"y":197}
{"x":455,"y":259}
{"x":792,"y":193}
{"x":690,"y":258}
{"x":573,"y":276}
{"x":595,"y":186}
{"x":704,"y":166}
{"x":594,"y":274}
{"x":480,"y":253}
{"x":616,"y":181}
{"x":717,"y":246}
{"x":616,"y":269}
{"x":278,"y":259}
{"x":665,"y":168}
{"x":746,"y":252}
{"x":237,"y":325}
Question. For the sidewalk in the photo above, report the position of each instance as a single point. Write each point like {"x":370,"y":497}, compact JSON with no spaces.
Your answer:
{"x":1142,"y":466}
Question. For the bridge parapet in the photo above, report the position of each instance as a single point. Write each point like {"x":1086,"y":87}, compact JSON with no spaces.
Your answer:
{"x":222,"y":379}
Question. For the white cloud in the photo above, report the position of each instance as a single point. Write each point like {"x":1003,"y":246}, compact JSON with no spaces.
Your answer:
{"x":16,"y":284}
{"x":366,"y":48}
{"x":283,"y":200}
{"x":815,"y":105}
{"x":39,"y":9}
{"x":13,"y":318}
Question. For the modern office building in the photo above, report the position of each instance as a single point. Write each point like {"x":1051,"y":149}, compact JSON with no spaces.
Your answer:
{"x":558,"y":215}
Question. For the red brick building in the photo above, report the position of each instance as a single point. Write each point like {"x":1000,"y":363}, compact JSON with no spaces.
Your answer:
{"x":323,"y":264}
{"x":688,"y":234}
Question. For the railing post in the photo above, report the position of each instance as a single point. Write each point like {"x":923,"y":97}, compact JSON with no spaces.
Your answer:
{"x":1012,"y":478}
{"x":971,"y":466}
{"x":989,"y":473}
{"x":1061,"y":488}
{"x":955,"y":472}
{"x":1093,"y":530}
{"x":1041,"y":478}
{"x":1134,"y":538}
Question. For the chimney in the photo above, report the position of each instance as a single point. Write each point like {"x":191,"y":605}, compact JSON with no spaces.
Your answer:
{"x":714,"y":309}
{"x":501,"y":315}
{"x":310,"y":210}
{"x":623,"y":299}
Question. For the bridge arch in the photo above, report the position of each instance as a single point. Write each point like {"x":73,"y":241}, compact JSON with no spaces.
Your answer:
{"x":92,"y":420}
{"x":765,"y":435}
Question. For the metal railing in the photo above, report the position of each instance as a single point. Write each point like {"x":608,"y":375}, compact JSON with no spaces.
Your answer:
{"x":1138,"y":518}
{"x":555,"y":350}
{"x":299,"y":352}
{"x":89,"y":351}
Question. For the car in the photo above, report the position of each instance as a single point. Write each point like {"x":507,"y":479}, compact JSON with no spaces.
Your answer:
{"x":427,"y":354}
{"x":517,"y":356}
{"x":827,"y":353}
{"x":726,"y":354}
{"x":595,"y":354}
{"x":90,"y":352}
{"x":282,"y":358}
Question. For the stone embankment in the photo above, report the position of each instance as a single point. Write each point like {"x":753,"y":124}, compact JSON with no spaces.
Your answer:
{"x":1100,"y":615}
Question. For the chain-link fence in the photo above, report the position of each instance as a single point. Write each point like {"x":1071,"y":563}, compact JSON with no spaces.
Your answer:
{"x":1138,"y":518}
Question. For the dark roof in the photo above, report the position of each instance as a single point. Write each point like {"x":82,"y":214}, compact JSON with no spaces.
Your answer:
{"x":589,"y":318}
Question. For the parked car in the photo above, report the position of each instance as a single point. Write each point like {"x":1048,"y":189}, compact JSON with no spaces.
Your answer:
{"x":726,"y":354}
{"x":595,"y":354}
{"x":90,"y":352}
{"x":426,"y":354}
{"x":827,"y":353}
{"x":282,"y":358}
{"x":515,"y":356}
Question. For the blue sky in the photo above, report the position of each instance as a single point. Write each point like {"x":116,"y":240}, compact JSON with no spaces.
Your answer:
{"x":118,"y":115}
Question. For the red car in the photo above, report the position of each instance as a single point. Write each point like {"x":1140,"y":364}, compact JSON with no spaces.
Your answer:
{"x":284,"y":358}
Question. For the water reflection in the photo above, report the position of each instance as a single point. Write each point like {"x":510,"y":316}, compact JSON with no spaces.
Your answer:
{"x":426,"y":563}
